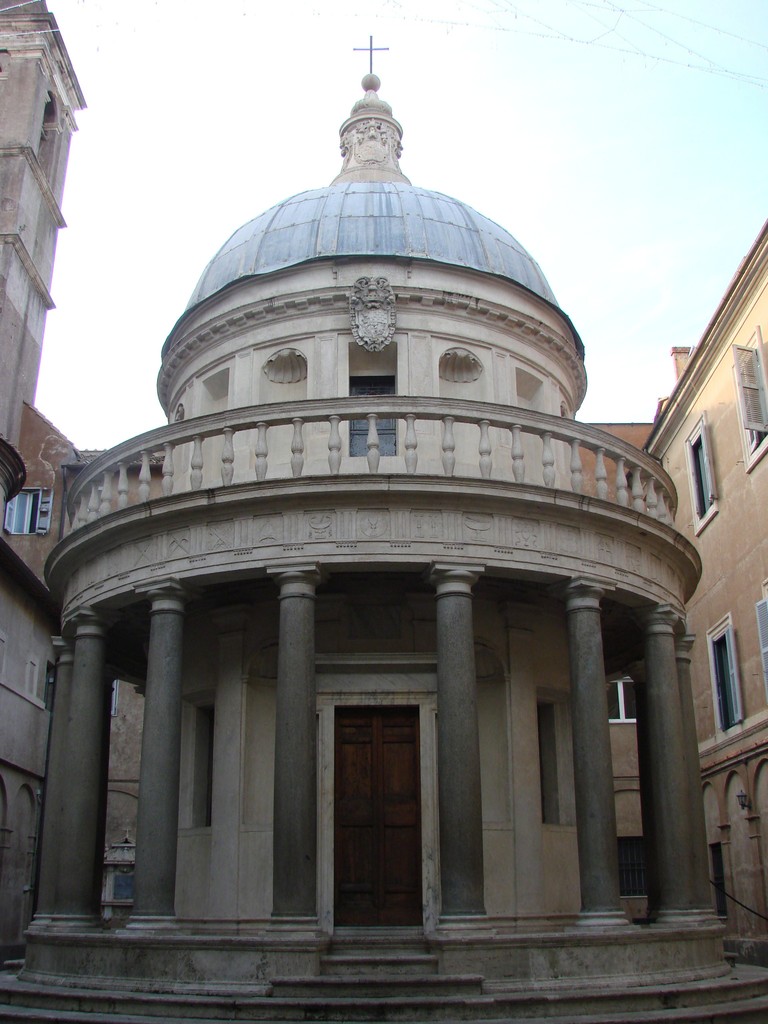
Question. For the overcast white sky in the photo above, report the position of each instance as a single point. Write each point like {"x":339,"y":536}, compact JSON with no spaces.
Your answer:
{"x":624,"y":144}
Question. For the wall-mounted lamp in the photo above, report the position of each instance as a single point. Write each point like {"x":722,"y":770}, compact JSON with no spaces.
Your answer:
{"x":743,"y":800}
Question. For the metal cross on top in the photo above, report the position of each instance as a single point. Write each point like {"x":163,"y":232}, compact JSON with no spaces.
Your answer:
{"x":371,"y":49}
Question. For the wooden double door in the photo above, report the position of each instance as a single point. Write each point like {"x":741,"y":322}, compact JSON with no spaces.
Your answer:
{"x":377,"y":817}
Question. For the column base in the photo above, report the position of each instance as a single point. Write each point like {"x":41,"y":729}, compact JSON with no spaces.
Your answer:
{"x":687,"y":917}
{"x":602,"y":919}
{"x":65,"y":923}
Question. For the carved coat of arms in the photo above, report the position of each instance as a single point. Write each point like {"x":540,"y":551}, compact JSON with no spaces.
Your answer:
{"x":372,"y":312}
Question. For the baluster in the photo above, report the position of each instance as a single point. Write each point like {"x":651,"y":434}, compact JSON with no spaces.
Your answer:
{"x":168,"y":470}
{"x":518,"y":459}
{"x":372,"y":443}
{"x":651,"y":498}
{"x":601,"y":476}
{"x":411,"y":457}
{"x":105,"y":505}
{"x":297,"y":447}
{"x":93,"y":504}
{"x":622,"y":494}
{"x":449,"y":446}
{"x":485,"y":450}
{"x":334,"y":446}
{"x":547,"y":460}
{"x":577,"y":476}
{"x":82,"y":511}
{"x":145,"y":477}
{"x":663,"y":512}
{"x":196,"y":464}
{"x":122,"y":485}
{"x":637,"y":490}
{"x":227,"y":458}
{"x":260,"y":450}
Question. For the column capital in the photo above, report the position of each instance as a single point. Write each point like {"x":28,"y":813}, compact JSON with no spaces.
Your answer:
{"x":167,"y":595}
{"x":683,"y":644}
{"x":297,"y":581}
{"x":86,"y":622}
{"x":583,"y":593}
{"x":659,"y":620}
{"x":453,"y":579}
{"x":64,"y":648}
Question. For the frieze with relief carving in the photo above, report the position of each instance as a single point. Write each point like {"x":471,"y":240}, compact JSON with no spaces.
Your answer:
{"x":372,"y":312}
{"x":248,"y":543}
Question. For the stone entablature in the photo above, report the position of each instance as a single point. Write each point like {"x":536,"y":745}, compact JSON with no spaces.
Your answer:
{"x":384,"y":522}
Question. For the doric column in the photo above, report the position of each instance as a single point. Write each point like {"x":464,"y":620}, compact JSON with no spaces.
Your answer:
{"x":458,"y":746}
{"x":158,"y":815}
{"x":56,"y":781}
{"x":592,"y":763}
{"x":669,"y":783}
{"x":700,"y":892}
{"x":78,"y":878}
{"x":294,"y":892}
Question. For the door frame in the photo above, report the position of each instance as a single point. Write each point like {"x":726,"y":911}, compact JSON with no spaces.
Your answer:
{"x":381,"y":681}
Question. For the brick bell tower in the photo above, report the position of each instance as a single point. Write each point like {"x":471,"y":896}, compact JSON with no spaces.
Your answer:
{"x":39,"y":94}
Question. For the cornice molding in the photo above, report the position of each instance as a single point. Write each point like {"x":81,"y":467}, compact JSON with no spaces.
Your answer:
{"x":28,"y":263}
{"x":30,"y":156}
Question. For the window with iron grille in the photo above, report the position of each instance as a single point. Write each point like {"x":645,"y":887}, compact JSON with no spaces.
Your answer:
{"x":358,"y":429}
{"x":631,"y":866}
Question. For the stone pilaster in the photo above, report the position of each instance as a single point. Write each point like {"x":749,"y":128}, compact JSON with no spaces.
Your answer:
{"x":78,"y":877}
{"x":227,"y":746}
{"x":458,"y":745}
{"x":700,"y":891}
{"x":294,"y":892}
{"x":158,"y":815}
{"x":669,"y":782}
{"x":592,"y":764}
{"x":529,"y":857}
{"x":56,"y":782}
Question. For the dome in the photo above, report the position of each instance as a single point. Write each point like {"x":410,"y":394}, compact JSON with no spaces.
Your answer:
{"x":370,"y":218}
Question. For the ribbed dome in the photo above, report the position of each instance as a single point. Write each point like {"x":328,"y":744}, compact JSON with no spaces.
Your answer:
{"x":370,"y":218}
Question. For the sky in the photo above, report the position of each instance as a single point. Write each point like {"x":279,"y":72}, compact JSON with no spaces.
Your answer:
{"x":624,"y":144}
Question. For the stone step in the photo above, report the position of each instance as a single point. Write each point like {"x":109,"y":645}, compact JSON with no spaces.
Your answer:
{"x":748,"y":1012}
{"x":389,"y":964}
{"x":355,"y":987}
{"x":742,"y":999}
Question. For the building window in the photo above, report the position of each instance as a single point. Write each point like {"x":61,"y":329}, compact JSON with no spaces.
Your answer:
{"x":29,"y":511}
{"x":718,"y":879}
{"x":753,"y":402}
{"x":761,"y":609}
{"x":115,"y":701}
{"x":621,"y":700}
{"x":631,"y":866}
{"x":701,"y":473}
{"x":358,"y":429}
{"x":550,"y":796}
{"x":725,"y":674}
{"x":202,"y":788}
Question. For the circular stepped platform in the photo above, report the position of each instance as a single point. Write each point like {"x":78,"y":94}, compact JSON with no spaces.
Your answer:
{"x":742,"y":998}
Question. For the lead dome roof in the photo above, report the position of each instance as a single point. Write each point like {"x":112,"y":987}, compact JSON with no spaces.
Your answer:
{"x":370,"y":218}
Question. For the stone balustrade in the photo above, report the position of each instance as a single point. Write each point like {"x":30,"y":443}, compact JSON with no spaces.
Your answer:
{"x":477,"y":439}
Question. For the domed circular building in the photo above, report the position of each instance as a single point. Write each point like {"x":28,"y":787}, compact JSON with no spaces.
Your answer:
{"x":371,"y":577}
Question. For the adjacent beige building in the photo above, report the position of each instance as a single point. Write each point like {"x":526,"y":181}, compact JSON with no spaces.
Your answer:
{"x":712,"y":438}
